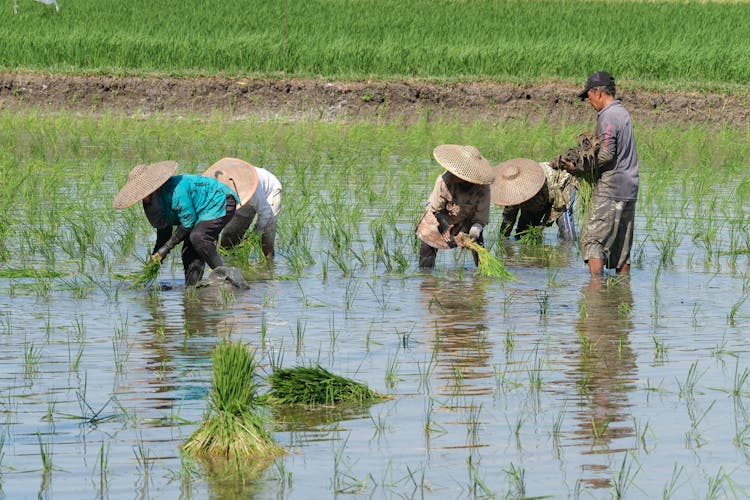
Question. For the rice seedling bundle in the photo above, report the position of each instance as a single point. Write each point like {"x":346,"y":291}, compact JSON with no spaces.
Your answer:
{"x":145,"y":277}
{"x":315,"y":385}
{"x":489,"y":265}
{"x":235,"y":423}
{"x":532,"y":235}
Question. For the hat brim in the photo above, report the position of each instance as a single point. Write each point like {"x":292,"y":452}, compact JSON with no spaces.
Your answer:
{"x":516,"y":180}
{"x":238,"y":174}
{"x":465,"y":162}
{"x":143,"y":180}
{"x":583,"y":95}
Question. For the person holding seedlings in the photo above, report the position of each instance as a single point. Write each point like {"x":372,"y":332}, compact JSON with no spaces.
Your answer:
{"x":199,"y":206}
{"x":260,"y":199}
{"x":534,"y":194}
{"x":459,"y":202}
{"x":607,"y":236}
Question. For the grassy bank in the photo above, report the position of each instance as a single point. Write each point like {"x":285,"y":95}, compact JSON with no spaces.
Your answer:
{"x":657,"y":44}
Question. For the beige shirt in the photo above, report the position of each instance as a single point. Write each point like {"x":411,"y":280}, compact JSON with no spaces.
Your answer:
{"x":462,"y":203}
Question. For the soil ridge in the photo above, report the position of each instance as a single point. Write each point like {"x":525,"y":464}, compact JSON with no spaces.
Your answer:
{"x":296,"y":98}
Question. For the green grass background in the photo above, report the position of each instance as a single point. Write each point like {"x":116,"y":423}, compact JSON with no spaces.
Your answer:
{"x":681,"y":45}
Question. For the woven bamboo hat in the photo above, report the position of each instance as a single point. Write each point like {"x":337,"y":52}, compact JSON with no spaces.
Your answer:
{"x":516,"y":180}
{"x":465,"y":162}
{"x":142,"y":181}
{"x":237,"y":174}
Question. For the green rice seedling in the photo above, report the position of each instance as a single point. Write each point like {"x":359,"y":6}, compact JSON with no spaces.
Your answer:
{"x":234,"y":426}
{"x":103,"y":466}
{"x":477,"y":488}
{"x":660,"y":349}
{"x":625,"y":476}
{"x":314,"y":385}
{"x":31,"y":358}
{"x":489,"y":265}
{"x":687,"y":390}
{"x":533,"y":236}
{"x":671,"y":487}
{"x":517,"y":481}
{"x":542,"y":298}
{"x":145,"y":277}
{"x":300,"y":335}
{"x":391,"y":371}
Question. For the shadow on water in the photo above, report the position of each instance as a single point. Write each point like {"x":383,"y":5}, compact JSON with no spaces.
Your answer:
{"x":605,"y":368}
{"x":455,"y":324}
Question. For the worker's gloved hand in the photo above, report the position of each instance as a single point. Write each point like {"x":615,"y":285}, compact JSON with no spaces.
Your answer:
{"x":475,"y":232}
{"x":178,"y":235}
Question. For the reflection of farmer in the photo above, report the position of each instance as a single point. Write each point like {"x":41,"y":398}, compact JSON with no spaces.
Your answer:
{"x":459,"y":202}
{"x":534,"y":195}
{"x":605,"y":368}
{"x":608,"y":235}
{"x":456,"y":320}
{"x":260,"y":195}
{"x":199,"y":206}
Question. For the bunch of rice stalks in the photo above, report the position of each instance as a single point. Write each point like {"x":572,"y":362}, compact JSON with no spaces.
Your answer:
{"x":145,"y":277}
{"x":315,"y":385}
{"x":532,"y":235}
{"x":488,"y":265}
{"x":235,"y":423}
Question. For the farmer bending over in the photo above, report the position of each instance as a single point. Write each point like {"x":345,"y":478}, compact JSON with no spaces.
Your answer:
{"x":199,"y":206}
{"x":534,"y":195}
{"x":260,"y":195}
{"x":460,"y":201}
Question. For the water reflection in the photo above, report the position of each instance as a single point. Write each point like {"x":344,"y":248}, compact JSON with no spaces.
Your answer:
{"x":455,"y":322}
{"x":171,"y":358}
{"x":605,"y":369}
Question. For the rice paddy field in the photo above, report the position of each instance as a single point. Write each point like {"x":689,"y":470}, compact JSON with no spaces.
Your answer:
{"x":661,"y":44}
{"x":546,"y":385}
{"x":540,"y":386}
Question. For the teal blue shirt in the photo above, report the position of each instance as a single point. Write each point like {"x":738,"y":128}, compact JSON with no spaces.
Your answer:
{"x":189,"y":199}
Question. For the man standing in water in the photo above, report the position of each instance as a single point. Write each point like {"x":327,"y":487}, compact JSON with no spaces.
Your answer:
{"x":607,"y":237}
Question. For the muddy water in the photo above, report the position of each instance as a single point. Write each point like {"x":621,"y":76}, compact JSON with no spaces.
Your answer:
{"x":550,"y":385}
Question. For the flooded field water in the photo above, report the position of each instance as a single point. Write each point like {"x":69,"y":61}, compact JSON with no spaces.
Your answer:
{"x":550,"y":385}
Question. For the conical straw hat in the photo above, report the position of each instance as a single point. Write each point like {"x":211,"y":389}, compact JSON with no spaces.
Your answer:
{"x":237,"y":174}
{"x":516,"y":181}
{"x":465,"y":162}
{"x":142,"y":181}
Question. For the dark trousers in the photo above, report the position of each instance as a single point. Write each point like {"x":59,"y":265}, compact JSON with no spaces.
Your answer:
{"x":427,"y":254}
{"x":199,"y":247}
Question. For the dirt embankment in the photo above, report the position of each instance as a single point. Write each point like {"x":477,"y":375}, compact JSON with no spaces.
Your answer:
{"x":405,"y":100}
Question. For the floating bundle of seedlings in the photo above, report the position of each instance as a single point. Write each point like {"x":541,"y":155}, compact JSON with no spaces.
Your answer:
{"x":314,"y":385}
{"x":489,"y":265}
{"x":234,"y":426}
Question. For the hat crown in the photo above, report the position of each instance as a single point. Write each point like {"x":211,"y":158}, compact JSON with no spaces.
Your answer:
{"x":516,"y":180}
{"x":511,"y":173}
{"x":137,"y":172}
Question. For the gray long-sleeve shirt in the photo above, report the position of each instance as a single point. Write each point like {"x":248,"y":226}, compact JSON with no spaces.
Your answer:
{"x":617,"y":162}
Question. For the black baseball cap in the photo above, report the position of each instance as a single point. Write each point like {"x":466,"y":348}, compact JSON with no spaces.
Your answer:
{"x":598,"y":79}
